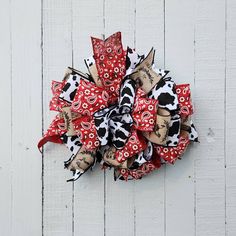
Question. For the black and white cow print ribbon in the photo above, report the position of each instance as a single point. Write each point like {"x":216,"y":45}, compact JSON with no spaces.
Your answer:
{"x":161,"y":133}
{"x":115,"y":122}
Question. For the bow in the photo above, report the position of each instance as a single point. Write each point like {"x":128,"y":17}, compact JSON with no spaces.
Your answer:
{"x":126,"y":107}
{"x":110,"y":57}
{"x":115,"y":122}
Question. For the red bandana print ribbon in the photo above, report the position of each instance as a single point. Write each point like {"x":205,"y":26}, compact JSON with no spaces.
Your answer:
{"x":86,"y":130}
{"x":144,"y":113}
{"x":83,"y":126}
{"x":184,"y":98}
{"x":116,"y":121}
{"x":141,"y":171}
{"x":135,"y":144}
{"x":171,"y":154}
{"x":54,"y":132}
{"x":56,"y":104}
{"x":110,"y":61}
{"x":89,"y":98}
{"x":105,"y":116}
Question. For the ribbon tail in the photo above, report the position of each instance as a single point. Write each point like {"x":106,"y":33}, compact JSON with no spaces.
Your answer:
{"x":53,"y":139}
{"x":76,"y":175}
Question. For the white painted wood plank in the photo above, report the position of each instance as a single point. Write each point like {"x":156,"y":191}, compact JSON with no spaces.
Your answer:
{"x":89,"y":189}
{"x":26,"y":118}
{"x":119,"y":201}
{"x":179,"y":58}
{"x":210,"y":197}
{"x":150,"y":204}
{"x":209,"y":102}
{"x":230,"y":82}
{"x":230,"y":200}
{"x":209,"y":77}
{"x":120,"y":16}
{"x":149,"y":28}
{"x":149,"y":192}
{"x":230,"y":118}
{"x":57,"y":55}
{"x":125,"y":209}
{"x":5,"y":153}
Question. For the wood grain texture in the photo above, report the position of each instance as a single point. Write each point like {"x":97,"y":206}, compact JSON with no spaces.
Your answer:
{"x":6,"y":138}
{"x":119,"y":202}
{"x":57,"y":55}
{"x":230,"y":109}
{"x":210,"y":197}
{"x":89,"y":189}
{"x":195,"y":40}
{"x":210,"y":117}
{"x":26,"y":118}
{"x":149,"y":192}
{"x":179,"y":59}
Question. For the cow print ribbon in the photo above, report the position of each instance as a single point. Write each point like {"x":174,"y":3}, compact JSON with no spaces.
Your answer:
{"x":115,"y":122}
{"x":124,"y":113}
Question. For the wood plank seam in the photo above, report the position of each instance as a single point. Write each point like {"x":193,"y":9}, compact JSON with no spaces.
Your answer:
{"x":11,"y":84}
{"x":104,"y":174}
{"x":72,"y":65}
{"x":225,"y":111}
{"x":42,"y":113}
{"x":164,"y":15}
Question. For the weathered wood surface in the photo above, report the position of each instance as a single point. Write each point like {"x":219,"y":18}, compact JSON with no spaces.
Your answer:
{"x":21,"y":118}
{"x":196,"y":41}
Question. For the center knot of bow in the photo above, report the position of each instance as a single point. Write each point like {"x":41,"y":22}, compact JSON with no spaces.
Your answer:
{"x":115,"y":122}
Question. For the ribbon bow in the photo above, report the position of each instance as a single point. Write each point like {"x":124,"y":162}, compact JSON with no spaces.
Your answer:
{"x":116,"y":121}
{"x":125,"y":109}
{"x":89,"y":98}
{"x":110,"y":57}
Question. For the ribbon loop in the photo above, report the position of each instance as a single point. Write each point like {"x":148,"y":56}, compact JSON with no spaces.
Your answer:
{"x":109,"y":122}
{"x":124,"y":113}
{"x":116,"y":121}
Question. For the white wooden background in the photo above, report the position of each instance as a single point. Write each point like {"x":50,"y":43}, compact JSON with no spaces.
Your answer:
{"x":196,"y":40}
